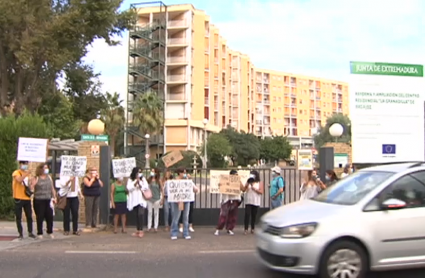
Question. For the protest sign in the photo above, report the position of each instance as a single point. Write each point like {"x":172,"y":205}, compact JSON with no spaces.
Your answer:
{"x":32,"y":149}
{"x":215,"y":179}
{"x":230,"y":184}
{"x":180,"y":191}
{"x":172,"y":158}
{"x":122,"y":168}
{"x":73,"y":166}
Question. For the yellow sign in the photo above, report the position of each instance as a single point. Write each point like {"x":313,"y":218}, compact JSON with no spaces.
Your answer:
{"x":305,"y":160}
{"x":230,"y":184}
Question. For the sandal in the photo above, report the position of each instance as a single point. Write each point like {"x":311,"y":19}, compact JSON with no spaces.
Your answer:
{"x":245,"y":232}
{"x":135,"y":234}
{"x":141,"y":234}
{"x":66,"y":233}
{"x":77,"y":233}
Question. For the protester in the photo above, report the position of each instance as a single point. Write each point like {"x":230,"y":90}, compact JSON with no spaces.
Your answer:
{"x":119,"y":204}
{"x":136,"y":184}
{"x":22,"y":197}
{"x":176,"y":212}
{"x":346,"y":171}
{"x":229,"y":210}
{"x":312,"y":186}
{"x":330,"y":177}
{"x":253,"y":190}
{"x":191,"y":206}
{"x":44,"y":193}
{"x":276,"y":188}
{"x":165,"y":205}
{"x":91,"y":191}
{"x":155,"y":186}
{"x":71,"y":189}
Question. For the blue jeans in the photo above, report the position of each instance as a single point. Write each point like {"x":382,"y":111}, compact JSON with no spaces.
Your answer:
{"x":166,"y":208}
{"x":275,"y":203}
{"x":175,"y":212}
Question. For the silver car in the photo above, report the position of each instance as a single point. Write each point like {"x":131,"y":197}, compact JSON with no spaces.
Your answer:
{"x":373,"y":219}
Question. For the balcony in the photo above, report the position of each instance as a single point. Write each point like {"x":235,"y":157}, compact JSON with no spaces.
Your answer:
{"x":258,"y":122}
{"x":176,"y":60}
{"x":176,"y":96}
{"x":176,"y":42}
{"x":266,"y":81}
{"x":216,"y":105}
{"x":266,"y":92}
{"x":266,"y":101}
{"x":207,"y":101}
{"x":176,"y":79}
{"x":177,"y":23}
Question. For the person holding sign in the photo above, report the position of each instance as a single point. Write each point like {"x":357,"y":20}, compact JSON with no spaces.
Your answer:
{"x":229,"y":209}
{"x":91,"y":191}
{"x":119,"y":204}
{"x":180,"y":195}
{"x":136,"y":184}
{"x":22,"y":197}
{"x":70,"y":188}
{"x":253,"y":190}
{"x":165,"y":205}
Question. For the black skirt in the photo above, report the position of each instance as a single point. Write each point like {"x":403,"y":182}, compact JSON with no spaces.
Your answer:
{"x":120,"y":208}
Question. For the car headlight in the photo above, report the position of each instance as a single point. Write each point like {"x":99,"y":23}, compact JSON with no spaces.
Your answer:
{"x":298,"y":231}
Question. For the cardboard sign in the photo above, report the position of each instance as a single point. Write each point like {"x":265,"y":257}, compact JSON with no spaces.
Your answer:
{"x":230,"y":185}
{"x":73,"y":166}
{"x":122,"y":168}
{"x":32,"y":149}
{"x":215,"y":176}
{"x":180,"y":191}
{"x":172,"y":158}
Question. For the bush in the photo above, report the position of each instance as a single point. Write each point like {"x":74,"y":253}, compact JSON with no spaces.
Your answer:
{"x":11,"y":128}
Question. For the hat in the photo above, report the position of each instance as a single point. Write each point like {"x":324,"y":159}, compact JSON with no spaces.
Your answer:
{"x":276,"y":169}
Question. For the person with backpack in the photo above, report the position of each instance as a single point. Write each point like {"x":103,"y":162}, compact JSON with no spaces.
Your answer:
{"x":276,"y":188}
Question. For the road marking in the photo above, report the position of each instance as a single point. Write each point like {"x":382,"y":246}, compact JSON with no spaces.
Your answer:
{"x":100,"y":252}
{"x":226,"y":251}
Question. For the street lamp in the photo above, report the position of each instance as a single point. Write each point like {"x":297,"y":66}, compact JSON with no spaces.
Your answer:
{"x":205,"y":122}
{"x":96,"y":127}
{"x":336,"y":130}
{"x":147,"y":155}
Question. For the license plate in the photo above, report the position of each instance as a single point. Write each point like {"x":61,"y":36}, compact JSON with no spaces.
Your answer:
{"x":262,"y":244}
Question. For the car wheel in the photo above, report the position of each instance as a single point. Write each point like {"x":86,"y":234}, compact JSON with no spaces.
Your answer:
{"x":344,"y":259}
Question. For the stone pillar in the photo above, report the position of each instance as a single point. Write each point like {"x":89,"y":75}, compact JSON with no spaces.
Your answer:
{"x":340,"y":148}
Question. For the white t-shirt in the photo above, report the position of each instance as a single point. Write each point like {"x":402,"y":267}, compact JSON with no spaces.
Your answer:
{"x":252,"y":197}
{"x":135,"y":195}
{"x":64,"y":189}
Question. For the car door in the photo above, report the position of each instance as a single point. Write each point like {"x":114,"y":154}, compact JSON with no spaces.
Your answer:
{"x":399,"y":235}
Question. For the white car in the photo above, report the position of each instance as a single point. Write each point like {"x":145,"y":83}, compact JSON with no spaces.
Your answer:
{"x":373,"y":220}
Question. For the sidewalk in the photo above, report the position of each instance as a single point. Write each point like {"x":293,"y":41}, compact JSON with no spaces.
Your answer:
{"x":8,"y":228}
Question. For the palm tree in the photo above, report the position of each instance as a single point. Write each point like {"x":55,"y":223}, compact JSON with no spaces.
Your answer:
{"x":148,"y":113}
{"x":113,"y":117}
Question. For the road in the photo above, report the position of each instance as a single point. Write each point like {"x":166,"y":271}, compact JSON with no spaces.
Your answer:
{"x":108,"y":255}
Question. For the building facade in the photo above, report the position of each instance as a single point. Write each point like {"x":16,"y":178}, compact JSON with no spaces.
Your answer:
{"x":206,"y":86}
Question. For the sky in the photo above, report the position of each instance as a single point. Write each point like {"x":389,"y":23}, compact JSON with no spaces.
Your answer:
{"x":309,"y":37}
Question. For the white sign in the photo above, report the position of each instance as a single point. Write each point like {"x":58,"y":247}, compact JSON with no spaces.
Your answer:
{"x":215,"y":179}
{"x":122,"y":168}
{"x":387,"y":112}
{"x":180,"y":191}
{"x":73,"y":166}
{"x":32,"y":149}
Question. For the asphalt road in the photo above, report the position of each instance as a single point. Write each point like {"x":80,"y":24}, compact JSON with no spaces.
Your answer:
{"x":111,"y":256}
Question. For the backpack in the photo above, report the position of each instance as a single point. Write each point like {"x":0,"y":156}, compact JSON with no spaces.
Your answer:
{"x":283,"y":180}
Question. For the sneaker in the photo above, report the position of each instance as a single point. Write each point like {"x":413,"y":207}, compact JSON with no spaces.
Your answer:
{"x":173,"y":238}
{"x":31,"y":235}
{"x":181,"y":229}
{"x":230,"y":232}
{"x":191,"y":230}
{"x":217,"y":233}
{"x":39,"y":237}
{"x":187,"y":237}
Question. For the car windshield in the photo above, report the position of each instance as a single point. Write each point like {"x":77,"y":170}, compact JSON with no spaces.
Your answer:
{"x":353,"y":188}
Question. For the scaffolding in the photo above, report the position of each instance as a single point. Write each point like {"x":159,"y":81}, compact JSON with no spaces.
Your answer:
{"x":146,"y":68}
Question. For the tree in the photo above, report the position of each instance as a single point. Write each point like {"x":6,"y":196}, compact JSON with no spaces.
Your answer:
{"x":275,"y":148}
{"x":38,"y":39}
{"x":246,"y":146}
{"x":113,"y":117}
{"x":148,"y":113}
{"x":218,"y":147}
{"x":324,"y":136}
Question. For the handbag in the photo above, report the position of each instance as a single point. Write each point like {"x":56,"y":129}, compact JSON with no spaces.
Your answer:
{"x":147,"y":194}
{"x":28,"y":191}
{"x":60,"y":202}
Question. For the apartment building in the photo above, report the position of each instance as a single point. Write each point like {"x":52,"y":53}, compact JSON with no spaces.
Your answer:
{"x":206,"y":86}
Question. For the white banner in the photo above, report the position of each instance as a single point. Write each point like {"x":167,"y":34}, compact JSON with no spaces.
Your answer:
{"x":32,"y":149}
{"x":73,"y":166}
{"x":180,"y":191}
{"x":215,"y":179}
{"x":122,"y":168}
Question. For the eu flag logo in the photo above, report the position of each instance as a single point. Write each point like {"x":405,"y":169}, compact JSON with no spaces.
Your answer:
{"x":388,"y":148}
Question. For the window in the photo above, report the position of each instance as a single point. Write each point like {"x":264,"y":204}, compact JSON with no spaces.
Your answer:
{"x":274,"y":98}
{"x":409,"y":189}
{"x":279,"y":99}
{"x":279,"y":110}
{"x":301,"y":101}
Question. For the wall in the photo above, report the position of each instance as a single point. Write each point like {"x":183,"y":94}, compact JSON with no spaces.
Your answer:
{"x":340,"y":148}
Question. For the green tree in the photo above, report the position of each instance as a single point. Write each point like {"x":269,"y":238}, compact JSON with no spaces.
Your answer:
{"x":113,"y":117}
{"x":218,"y":147}
{"x":39,"y":39}
{"x":11,"y":128}
{"x":245,"y":146}
{"x":324,"y":136}
{"x":275,"y":148}
{"x":148,"y":113}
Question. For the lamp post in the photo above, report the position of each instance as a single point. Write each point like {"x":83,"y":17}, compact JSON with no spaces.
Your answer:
{"x":147,"y":155}
{"x":336,"y":130}
{"x":96,"y":127}
{"x":205,"y":122}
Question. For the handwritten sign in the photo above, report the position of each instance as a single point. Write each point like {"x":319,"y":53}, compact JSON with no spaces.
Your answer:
{"x":180,"y":191}
{"x":230,"y":184}
{"x":172,"y":158}
{"x":32,"y":149}
{"x":215,"y":176}
{"x":122,"y":168}
{"x":73,"y":166}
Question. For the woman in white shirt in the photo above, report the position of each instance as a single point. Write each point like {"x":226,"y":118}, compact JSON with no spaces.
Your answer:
{"x":253,"y":191}
{"x":135,"y":200}
{"x":71,"y":189}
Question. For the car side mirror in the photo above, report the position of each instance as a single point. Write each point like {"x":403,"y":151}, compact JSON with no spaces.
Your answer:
{"x":392,"y":204}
